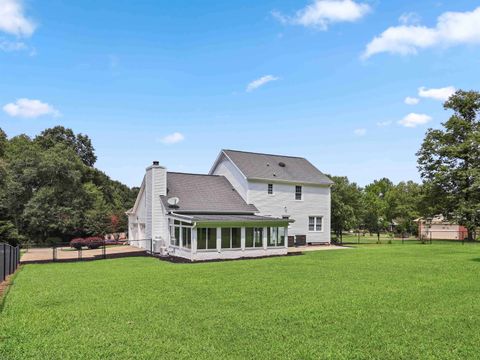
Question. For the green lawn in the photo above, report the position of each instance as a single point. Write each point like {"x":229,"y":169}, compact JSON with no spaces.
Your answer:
{"x":383,"y":302}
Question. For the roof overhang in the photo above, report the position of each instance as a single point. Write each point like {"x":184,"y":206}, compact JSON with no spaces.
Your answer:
{"x":237,"y":220}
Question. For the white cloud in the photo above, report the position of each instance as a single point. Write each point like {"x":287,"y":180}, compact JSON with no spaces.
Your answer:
{"x":441,"y":94}
{"x":255,"y":84}
{"x":174,"y":138}
{"x":413,"y":120}
{"x":360,"y":132}
{"x":452,"y":28}
{"x":411,"y":100}
{"x":409,"y":18}
{"x":28,"y":108}
{"x":384,"y":123}
{"x":9,"y":46}
{"x":13,"y":20}
{"x":321,"y":13}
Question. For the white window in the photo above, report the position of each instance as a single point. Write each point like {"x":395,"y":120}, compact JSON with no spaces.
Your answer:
{"x":298,"y":192}
{"x":315,"y":223}
{"x":180,"y":234}
{"x":276,"y":237}
{"x":231,"y":238}
{"x":253,"y":237}
{"x":206,"y":238}
{"x":270,"y":189}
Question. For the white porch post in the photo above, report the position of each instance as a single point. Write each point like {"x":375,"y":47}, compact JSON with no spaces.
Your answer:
{"x":242,"y":238}
{"x":180,"y":235}
{"x":219,"y":239}
{"x":194,"y":240}
{"x":264,"y":240}
{"x":286,"y":237}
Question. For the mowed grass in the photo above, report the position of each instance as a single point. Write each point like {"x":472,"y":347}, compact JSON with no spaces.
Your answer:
{"x":382,"y":302}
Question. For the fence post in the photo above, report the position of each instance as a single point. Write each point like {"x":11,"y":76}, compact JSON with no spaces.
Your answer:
{"x":11,"y":259}
{"x":104,"y":250}
{"x":151,"y":246}
{"x":4,"y":261}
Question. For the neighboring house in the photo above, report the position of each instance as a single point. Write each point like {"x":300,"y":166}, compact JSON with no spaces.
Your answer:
{"x":438,"y":228}
{"x":246,"y":207}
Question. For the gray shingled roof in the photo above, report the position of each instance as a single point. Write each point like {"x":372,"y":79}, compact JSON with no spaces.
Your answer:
{"x":266,"y":167}
{"x":204,"y":194}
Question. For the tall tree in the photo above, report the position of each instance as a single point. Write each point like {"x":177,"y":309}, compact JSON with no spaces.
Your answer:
{"x":376,"y":202}
{"x":80,"y":143}
{"x":3,"y":142}
{"x":404,"y":204}
{"x":449,"y":160}
{"x":346,"y":205}
{"x":49,"y":190}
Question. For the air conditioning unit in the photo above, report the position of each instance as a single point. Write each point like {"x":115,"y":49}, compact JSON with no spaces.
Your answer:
{"x":160,"y":248}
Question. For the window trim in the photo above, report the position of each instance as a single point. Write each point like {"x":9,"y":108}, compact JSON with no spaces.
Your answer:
{"x":255,"y":229}
{"x":207,"y":235}
{"x":270,"y":189}
{"x":230,"y":239}
{"x":269,"y":236}
{"x":315,"y":217}
{"x":301,"y":192}
{"x":173,"y":225}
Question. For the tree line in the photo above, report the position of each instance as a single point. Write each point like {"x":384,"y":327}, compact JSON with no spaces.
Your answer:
{"x":51,"y":191}
{"x":449,"y":165}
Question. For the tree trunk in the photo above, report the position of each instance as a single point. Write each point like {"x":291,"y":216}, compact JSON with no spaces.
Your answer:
{"x":470,"y":232}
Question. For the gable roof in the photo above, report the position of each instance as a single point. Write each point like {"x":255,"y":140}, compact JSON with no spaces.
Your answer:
{"x":257,"y":166}
{"x":204,"y":194}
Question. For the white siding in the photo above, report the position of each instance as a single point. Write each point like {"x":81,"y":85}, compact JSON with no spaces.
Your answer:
{"x":159,"y":188}
{"x":316,"y":202}
{"x":148,"y":206}
{"x":226,"y":168}
{"x":150,"y":213}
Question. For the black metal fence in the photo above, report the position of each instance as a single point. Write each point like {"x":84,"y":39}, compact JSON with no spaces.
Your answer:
{"x":453,"y":237}
{"x":64,"y":252}
{"x":9,"y":260}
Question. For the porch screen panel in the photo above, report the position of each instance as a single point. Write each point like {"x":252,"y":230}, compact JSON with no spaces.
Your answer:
{"x":187,"y":237}
{"x":258,"y":237}
{"x":248,"y":237}
{"x":236,"y":238}
{"x":272,"y":235}
{"x":201,"y":238}
{"x":281,"y":237}
{"x":212,"y":238}
{"x":177,"y":235}
{"x":226,"y":238}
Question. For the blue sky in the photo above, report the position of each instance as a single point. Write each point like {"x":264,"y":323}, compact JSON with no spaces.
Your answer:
{"x":169,"y":80}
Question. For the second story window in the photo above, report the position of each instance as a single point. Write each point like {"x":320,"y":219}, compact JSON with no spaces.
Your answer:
{"x":298,"y":192}
{"x":270,"y":189}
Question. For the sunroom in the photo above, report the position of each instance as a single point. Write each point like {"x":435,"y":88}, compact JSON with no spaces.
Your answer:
{"x":200,"y":237}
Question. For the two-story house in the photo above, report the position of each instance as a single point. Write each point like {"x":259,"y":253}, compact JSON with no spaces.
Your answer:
{"x":281,"y":186}
{"x":247,"y":206}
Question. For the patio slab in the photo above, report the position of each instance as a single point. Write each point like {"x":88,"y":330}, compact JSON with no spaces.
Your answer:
{"x":316,"y":248}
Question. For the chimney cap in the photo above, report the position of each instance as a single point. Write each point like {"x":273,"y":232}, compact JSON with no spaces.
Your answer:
{"x":156,"y":163}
